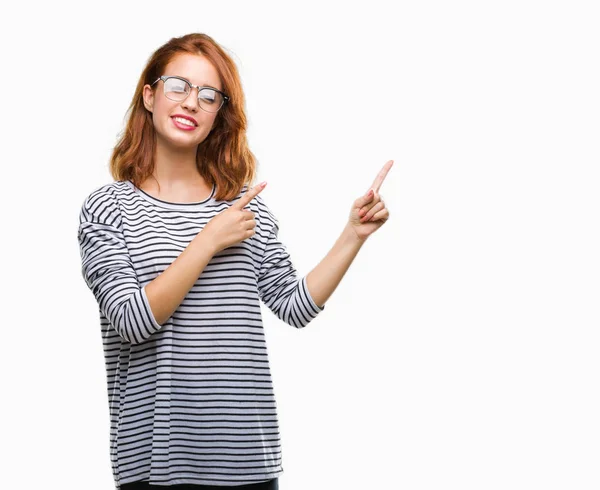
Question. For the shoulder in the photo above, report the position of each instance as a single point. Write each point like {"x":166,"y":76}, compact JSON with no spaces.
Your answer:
{"x":101,"y":205}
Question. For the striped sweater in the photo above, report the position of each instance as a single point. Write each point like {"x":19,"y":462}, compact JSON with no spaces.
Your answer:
{"x":192,"y":400}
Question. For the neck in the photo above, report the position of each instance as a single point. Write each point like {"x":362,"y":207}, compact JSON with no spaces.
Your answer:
{"x":174,"y":166}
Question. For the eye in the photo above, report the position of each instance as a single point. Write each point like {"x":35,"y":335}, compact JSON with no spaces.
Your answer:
{"x":208,"y":95}
{"x":176,"y":85}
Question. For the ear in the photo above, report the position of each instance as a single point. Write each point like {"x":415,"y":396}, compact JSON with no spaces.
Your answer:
{"x":148,"y":97}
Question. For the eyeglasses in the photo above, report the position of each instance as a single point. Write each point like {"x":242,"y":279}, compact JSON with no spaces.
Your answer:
{"x":177,"y":88}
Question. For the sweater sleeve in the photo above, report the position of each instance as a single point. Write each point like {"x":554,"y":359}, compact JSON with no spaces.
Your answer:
{"x":108,"y":271}
{"x":279,"y":287}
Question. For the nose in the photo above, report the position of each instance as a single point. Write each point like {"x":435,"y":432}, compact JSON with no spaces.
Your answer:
{"x":191,"y":101}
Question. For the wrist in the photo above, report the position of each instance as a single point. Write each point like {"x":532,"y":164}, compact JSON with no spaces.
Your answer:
{"x":205,"y":241}
{"x":350,"y":234}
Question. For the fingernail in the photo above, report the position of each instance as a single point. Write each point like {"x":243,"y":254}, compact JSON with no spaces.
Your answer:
{"x":262,"y":184}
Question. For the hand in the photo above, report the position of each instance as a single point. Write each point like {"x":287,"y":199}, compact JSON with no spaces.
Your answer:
{"x":368,"y":212}
{"x":235,"y":223}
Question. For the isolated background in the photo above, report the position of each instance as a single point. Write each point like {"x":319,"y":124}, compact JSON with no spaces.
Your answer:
{"x":460,"y":350}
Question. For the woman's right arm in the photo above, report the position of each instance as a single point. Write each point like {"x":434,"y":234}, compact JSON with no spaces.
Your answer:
{"x":166,"y":292}
{"x":135,"y":312}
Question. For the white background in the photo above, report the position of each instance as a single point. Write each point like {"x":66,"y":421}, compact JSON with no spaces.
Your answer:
{"x":460,"y":350}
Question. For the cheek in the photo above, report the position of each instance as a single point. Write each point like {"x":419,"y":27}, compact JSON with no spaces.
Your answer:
{"x":161,"y":116}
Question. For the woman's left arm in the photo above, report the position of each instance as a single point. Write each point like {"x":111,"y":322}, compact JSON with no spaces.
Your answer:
{"x":367,"y":215}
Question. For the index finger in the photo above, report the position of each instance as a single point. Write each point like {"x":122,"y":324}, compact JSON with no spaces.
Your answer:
{"x":249,"y":195}
{"x":381,"y":175}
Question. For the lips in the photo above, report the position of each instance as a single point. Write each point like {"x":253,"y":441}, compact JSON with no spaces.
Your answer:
{"x":191,"y":119}
{"x":182,"y":126}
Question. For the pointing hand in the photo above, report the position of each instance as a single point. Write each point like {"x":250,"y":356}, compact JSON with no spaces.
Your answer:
{"x":368,"y":212}
{"x":235,"y":224}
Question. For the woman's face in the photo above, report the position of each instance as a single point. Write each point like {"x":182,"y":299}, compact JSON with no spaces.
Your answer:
{"x":199,"y":71}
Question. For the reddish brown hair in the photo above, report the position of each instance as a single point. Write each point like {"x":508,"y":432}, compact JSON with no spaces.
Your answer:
{"x":223,"y":158}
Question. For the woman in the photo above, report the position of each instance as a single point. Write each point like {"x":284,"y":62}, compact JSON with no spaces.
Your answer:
{"x":178,"y":251}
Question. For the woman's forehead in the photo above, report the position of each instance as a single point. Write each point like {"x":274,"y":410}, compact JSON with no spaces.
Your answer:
{"x":195,"y":68}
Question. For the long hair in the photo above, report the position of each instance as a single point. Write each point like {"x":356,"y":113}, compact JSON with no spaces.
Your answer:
{"x":223,"y":158}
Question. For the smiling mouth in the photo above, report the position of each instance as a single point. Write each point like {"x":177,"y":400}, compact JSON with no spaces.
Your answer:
{"x":183,"y":123}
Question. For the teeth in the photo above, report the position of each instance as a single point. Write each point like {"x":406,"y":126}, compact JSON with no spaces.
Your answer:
{"x":184,"y":121}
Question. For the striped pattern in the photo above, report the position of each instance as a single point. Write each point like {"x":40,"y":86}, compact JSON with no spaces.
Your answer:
{"x":192,"y":400}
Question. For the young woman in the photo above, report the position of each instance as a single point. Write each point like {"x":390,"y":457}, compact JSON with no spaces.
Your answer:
{"x":178,"y":252}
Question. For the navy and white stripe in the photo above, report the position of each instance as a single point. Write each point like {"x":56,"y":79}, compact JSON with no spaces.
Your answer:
{"x":192,"y":400}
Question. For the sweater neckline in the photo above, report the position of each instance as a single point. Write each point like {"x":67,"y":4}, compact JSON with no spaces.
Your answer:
{"x":181,"y":206}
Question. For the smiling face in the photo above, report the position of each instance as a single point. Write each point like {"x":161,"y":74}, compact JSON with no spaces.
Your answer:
{"x":199,"y":71}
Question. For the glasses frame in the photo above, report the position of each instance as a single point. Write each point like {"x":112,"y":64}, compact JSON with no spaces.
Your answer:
{"x":164,"y":78}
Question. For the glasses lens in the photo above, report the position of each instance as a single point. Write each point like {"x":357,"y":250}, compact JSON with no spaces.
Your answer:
{"x":210,"y":100}
{"x":176,"y":89}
